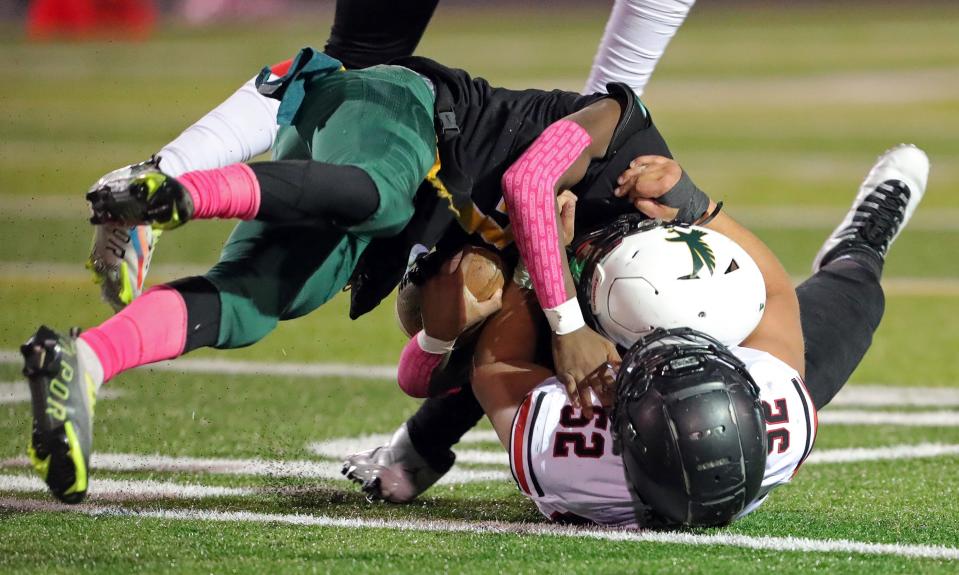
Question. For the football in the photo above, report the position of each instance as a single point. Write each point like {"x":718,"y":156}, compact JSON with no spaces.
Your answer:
{"x":485,"y":273}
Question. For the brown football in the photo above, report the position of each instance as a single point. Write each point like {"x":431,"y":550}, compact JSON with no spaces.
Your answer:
{"x":485,"y":273}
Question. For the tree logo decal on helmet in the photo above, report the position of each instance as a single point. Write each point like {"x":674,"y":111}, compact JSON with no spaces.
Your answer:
{"x":700,"y":251}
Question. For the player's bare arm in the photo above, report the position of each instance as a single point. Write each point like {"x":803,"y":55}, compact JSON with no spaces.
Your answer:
{"x":779,"y":332}
{"x":448,"y":309}
{"x":505,"y":369}
{"x":505,"y":362}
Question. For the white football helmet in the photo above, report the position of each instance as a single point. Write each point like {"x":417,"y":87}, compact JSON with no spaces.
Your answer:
{"x":637,"y":275}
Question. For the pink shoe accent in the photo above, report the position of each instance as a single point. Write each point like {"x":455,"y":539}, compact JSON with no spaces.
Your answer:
{"x":150,"y":329}
{"x":230,"y":192}
{"x":416,"y":368}
{"x":529,"y":188}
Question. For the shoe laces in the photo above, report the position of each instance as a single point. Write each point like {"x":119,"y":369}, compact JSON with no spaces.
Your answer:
{"x":879,"y":216}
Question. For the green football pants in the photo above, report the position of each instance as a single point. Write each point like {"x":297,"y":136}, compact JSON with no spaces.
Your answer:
{"x":379,"y":119}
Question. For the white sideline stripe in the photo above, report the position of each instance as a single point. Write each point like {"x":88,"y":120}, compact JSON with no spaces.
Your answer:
{"x":62,"y":272}
{"x":857,"y":454}
{"x":799,"y":544}
{"x":340,"y":447}
{"x":18,"y":392}
{"x":882,"y":395}
{"x":119,"y":490}
{"x":251,"y":467}
{"x":904,"y":418}
{"x":234,"y":367}
{"x":806,"y":217}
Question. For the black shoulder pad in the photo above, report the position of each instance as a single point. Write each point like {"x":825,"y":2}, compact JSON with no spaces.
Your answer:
{"x":635,"y":115}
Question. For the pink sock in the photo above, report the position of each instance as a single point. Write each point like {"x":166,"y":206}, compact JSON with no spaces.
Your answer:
{"x":230,"y":192}
{"x":152,"y":328}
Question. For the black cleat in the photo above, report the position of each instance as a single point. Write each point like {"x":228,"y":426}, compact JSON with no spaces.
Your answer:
{"x":141,"y":195}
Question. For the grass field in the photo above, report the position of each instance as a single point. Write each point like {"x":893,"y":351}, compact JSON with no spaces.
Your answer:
{"x":233,"y":467}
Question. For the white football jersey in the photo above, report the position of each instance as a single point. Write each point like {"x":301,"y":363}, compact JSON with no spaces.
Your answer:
{"x":565,"y":462}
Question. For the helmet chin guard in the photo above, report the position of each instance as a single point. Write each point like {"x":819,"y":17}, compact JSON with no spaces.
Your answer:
{"x":689,"y":426}
{"x":636,"y":275}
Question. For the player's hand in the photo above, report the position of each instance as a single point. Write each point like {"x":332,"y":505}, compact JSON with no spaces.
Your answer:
{"x":448,"y":307}
{"x":648,"y":178}
{"x":602,"y":381}
{"x":577,"y":357}
{"x":566,"y":202}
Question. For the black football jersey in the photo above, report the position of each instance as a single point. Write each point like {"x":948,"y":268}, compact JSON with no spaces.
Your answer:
{"x":496,"y":125}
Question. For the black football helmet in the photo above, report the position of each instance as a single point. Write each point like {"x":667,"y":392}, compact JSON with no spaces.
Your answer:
{"x":690,"y":428}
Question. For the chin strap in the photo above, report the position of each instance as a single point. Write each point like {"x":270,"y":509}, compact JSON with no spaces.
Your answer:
{"x":706,"y":218}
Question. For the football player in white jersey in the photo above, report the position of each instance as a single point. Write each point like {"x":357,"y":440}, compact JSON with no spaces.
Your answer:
{"x":562,"y":458}
{"x":714,"y":462}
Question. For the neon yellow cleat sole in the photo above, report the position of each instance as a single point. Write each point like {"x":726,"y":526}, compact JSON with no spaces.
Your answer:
{"x":63,"y":397}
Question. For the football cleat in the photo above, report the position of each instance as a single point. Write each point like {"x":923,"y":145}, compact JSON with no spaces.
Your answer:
{"x":63,"y":394}
{"x":120,"y":260}
{"x":886,"y":201}
{"x":142,"y":195}
{"x":394,"y":472}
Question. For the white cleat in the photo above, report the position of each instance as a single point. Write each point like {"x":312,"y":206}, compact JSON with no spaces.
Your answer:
{"x":394,"y":472}
{"x":886,"y":201}
{"x":120,"y":255}
{"x":120,"y":260}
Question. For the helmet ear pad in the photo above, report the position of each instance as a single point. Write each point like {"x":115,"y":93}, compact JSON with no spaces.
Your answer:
{"x":694,"y":448}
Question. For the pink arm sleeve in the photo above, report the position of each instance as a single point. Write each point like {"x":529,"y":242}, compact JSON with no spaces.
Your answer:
{"x":416,"y":368}
{"x":529,"y":188}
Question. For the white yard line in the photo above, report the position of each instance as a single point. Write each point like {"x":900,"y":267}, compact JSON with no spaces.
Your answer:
{"x":250,"y":467}
{"x":340,"y":447}
{"x":806,"y":217}
{"x":18,"y":392}
{"x":852,"y":455}
{"x":903,"y":418}
{"x":122,"y":490}
{"x":788,"y":544}
{"x":890,"y":396}
{"x":234,"y":367}
{"x":75,"y":272}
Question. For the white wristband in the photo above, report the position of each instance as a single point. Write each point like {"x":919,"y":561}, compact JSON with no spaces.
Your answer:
{"x":565,"y":318}
{"x":433,"y":345}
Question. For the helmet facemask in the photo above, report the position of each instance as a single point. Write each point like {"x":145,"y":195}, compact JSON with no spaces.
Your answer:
{"x":688,"y":424}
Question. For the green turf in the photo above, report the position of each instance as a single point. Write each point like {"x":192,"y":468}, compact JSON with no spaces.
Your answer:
{"x":309,"y":550}
{"x":765,"y":106}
